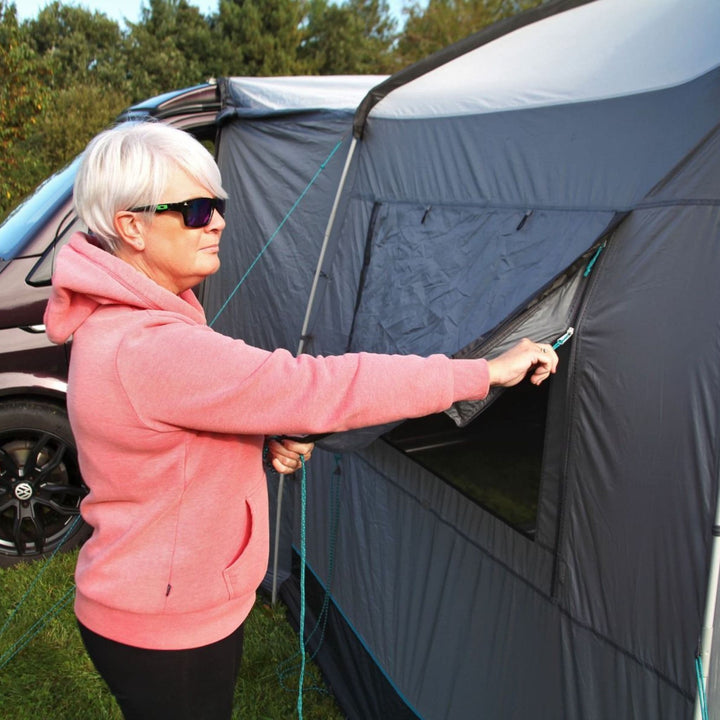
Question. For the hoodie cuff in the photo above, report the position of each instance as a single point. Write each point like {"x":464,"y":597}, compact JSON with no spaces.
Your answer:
{"x":471,"y":379}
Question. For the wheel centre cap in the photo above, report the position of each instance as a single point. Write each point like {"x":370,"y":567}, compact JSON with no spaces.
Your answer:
{"x":23,"y":491}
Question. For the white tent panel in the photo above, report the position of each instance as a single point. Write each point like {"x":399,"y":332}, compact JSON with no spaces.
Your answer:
{"x":605,"y":49}
{"x":330,"y":92}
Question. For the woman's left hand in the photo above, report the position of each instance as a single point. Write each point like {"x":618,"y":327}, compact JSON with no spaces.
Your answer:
{"x":285,"y":454}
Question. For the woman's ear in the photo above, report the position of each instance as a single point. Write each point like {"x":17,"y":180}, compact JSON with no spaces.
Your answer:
{"x":130,"y":228}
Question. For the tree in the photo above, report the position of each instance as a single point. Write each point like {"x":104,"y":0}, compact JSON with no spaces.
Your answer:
{"x":82,"y":46}
{"x":170,"y":48}
{"x":258,"y":37}
{"x":355,"y":37}
{"x":444,"y":22}
{"x":74,"y":116}
{"x":23,"y":96}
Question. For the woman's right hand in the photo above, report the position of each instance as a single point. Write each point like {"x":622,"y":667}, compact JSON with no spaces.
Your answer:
{"x":513,"y":365}
{"x":285,"y":454}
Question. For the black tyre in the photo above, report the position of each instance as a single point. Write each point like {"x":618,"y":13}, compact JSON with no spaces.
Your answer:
{"x":40,"y":483}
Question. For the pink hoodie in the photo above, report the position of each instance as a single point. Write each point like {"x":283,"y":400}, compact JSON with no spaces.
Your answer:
{"x":170,"y":419}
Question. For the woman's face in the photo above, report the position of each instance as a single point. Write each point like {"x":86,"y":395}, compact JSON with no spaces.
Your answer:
{"x":175,"y":256}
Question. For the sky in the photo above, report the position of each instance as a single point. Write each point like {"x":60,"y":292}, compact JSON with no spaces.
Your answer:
{"x":118,"y":10}
{"x":115,"y":9}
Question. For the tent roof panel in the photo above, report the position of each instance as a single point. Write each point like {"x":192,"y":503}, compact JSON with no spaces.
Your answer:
{"x":605,"y":49}
{"x":329,"y":92}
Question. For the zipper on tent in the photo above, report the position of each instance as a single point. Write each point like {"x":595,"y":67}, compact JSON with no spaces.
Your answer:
{"x":506,"y":328}
{"x":593,"y":260}
{"x":512,"y":325}
{"x":559,"y":567}
{"x":564,"y":338}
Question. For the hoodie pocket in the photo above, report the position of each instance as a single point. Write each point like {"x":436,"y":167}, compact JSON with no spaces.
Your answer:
{"x":200,"y":580}
{"x":247,"y":571}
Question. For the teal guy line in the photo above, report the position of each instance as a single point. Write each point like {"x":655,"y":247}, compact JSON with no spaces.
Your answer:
{"x":36,"y":628}
{"x":303,"y":560}
{"x":277,"y":230}
{"x":36,"y":579}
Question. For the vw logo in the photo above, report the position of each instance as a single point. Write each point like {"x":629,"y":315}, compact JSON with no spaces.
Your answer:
{"x":23,"y":491}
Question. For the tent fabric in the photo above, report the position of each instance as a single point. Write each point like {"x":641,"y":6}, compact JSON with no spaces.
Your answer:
{"x":445,"y":197}
{"x":271,"y":95}
{"x":598,"y":51}
{"x":455,"y":221}
{"x":359,"y":686}
{"x":613,"y":617}
{"x":276,"y":135}
{"x":649,"y":335}
{"x":450,"y":53}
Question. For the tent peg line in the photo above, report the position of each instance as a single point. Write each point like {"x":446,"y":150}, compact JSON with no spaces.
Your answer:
{"x":29,"y":634}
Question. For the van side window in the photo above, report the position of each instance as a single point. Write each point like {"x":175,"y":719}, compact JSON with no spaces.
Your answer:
{"x":41,"y":273}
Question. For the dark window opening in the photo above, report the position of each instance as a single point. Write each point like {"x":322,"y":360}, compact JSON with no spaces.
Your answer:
{"x":495,"y":460}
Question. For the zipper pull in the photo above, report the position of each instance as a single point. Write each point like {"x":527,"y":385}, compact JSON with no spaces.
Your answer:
{"x":593,"y":260}
{"x":563,"y":338}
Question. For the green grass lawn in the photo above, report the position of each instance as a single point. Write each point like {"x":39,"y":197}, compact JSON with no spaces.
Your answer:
{"x":52,"y":678}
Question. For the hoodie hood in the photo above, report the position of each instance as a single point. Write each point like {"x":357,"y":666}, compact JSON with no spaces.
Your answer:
{"x":86,"y":277}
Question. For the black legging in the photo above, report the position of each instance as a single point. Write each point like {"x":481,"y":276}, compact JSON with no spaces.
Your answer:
{"x":195,"y":684}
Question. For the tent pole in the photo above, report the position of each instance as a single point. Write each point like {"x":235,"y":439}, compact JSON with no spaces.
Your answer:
{"x":281,"y":486}
{"x":301,"y":345}
{"x":710,"y":602}
{"x":326,"y":240}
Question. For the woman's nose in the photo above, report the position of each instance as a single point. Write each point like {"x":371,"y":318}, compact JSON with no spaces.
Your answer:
{"x":217,"y":221}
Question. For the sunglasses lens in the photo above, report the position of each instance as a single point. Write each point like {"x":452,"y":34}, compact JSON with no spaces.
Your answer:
{"x":197,"y":213}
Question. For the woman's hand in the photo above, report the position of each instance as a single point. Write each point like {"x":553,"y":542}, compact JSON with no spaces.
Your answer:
{"x":513,"y":365}
{"x":285,"y":454}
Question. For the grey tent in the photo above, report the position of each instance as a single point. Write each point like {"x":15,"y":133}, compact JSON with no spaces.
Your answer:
{"x":549,"y":553}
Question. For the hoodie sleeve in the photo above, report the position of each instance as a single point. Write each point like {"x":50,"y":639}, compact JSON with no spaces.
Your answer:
{"x":177,"y":375}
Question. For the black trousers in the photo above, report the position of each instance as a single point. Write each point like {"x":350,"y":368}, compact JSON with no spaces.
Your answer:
{"x":195,"y":684}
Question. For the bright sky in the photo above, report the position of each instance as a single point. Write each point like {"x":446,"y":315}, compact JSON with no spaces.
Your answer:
{"x":115,"y":9}
{"x":120,"y":9}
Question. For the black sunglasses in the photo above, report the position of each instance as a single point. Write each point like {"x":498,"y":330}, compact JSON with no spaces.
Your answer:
{"x":196,"y":213}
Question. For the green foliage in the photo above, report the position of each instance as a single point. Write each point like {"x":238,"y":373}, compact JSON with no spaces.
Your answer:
{"x":443,"y":22}
{"x":258,"y":37}
{"x":69,"y":71}
{"x":74,"y":115}
{"x":24,"y":93}
{"x":355,"y":37}
{"x":52,"y":677}
{"x":81,"y":46}
{"x":170,"y":48}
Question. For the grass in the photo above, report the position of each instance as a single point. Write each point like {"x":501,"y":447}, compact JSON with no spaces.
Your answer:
{"x":52,"y":678}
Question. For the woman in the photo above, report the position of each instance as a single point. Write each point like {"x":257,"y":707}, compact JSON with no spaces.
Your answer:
{"x":170,"y":420}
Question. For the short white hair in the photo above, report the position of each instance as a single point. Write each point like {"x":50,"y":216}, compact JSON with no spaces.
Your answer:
{"x":129,"y":165}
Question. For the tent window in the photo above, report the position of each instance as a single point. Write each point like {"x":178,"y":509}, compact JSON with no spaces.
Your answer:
{"x":495,"y":460}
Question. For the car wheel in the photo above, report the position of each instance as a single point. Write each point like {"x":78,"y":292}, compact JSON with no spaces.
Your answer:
{"x":40,"y":483}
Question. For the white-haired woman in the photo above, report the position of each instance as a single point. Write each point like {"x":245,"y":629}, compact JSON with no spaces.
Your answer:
{"x":171,"y":418}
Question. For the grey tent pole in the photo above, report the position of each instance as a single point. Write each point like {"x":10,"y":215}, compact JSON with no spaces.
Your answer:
{"x":301,"y":345}
{"x":706,"y":637}
{"x":326,"y":240}
{"x":276,"y":551}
